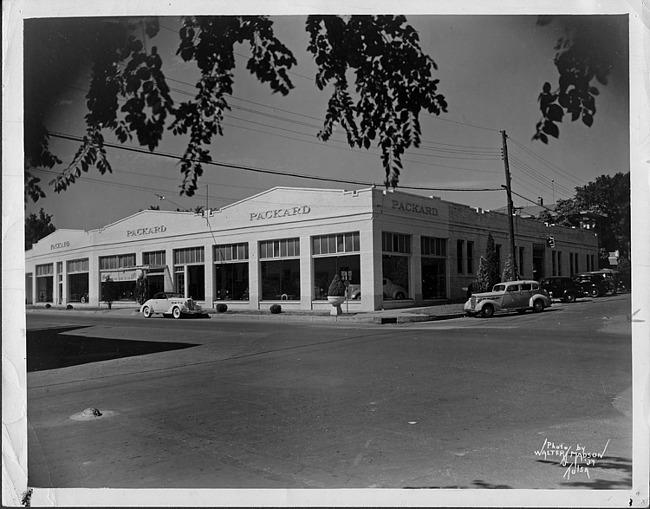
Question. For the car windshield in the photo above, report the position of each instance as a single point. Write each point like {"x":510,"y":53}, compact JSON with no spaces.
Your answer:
{"x":499,"y":288}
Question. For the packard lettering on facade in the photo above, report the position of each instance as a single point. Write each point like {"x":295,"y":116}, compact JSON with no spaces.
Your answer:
{"x":278,"y":213}
{"x":415,"y":207}
{"x":60,"y":245}
{"x":146,"y":231}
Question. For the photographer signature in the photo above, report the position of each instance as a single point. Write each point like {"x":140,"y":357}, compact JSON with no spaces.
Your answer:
{"x":577,"y":460}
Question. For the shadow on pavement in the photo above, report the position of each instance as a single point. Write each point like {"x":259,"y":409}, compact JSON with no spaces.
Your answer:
{"x":53,"y":349}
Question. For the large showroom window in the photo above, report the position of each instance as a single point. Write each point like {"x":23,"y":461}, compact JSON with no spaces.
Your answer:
{"x":333,"y":254}
{"x":78,"y":274}
{"x":396,"y":249}
{"x":231,"y":272}
{"x":44,"y":282}
{"x":121,"y":270}
{"x":157,"y":264}
{"x":280,"y":269}
{"x":189,"y":271}
{"x":434,"y":268}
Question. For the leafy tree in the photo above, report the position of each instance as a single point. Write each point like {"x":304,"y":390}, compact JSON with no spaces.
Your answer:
{"x":584,"y":55}
{"x":509,"y":270}
{"x":394,"y":82}
{"x":37,"y":227}
{"x":608,"y":197}
{"x":488,"y":268}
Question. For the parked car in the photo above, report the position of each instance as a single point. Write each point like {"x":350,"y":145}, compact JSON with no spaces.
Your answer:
{"x":173,"y":304}
{"x":563,"y":288}
{"x":596,"y":284}
{"x":517,"y":296}
{"x":621,"y":279}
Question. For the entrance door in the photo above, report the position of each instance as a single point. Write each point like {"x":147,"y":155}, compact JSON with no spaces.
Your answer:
{"x":539,"y":252}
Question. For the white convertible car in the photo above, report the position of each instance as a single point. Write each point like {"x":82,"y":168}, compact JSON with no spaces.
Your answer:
{"x":173,"y":304}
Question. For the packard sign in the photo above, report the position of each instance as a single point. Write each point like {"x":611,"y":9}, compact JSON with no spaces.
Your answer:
{"x":415,"y":208}
{"x":60,"y":245}
{"x":279,"y":213}
{"x":152,"y":230}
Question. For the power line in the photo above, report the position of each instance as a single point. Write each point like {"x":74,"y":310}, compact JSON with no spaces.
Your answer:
{"x":547,"y":163}
{"x":259,"y":170}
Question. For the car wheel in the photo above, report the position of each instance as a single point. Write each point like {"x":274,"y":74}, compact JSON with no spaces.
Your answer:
{"x":487,"y":311}
{"x":538,"y":306}
{"x":176,"y":312}
{"x":399,"y":295}
{"x":594,"y":292}
{"x":83,"y":300}
{"x":357,"y":296}
{"x":570,"y":297}
{"x":146,"y":312}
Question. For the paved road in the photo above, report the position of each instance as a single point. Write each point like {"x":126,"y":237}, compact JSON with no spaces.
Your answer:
{"x":209,"y":403}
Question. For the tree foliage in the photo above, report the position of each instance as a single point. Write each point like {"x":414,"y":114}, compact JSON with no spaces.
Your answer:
{"x":583,"y":56}
{"x":37,"y":227}
{"x":130,"y":98}
{"x":608,"y":197}
{"x":488,"y":268}
{"x":509,"y":270}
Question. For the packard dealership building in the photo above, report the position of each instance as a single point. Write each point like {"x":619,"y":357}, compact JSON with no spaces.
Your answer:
{"x":285,"y":245}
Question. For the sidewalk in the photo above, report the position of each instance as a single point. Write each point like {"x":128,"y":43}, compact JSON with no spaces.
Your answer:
{"x":388,"y":316}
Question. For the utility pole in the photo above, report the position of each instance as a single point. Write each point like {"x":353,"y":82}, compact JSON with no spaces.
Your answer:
{"x":511,"y":226}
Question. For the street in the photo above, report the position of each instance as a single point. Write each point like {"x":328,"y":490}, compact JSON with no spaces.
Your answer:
{"x":505,"y":402}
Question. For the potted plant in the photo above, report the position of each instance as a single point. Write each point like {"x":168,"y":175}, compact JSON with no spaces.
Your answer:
{"x":336,"y":295}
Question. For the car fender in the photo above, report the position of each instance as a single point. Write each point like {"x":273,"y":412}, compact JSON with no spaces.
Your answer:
{"x":543,"y":298}
{"x":481,"y":305}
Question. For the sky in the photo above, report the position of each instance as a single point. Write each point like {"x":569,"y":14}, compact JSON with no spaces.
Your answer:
{"x":491,"y":71}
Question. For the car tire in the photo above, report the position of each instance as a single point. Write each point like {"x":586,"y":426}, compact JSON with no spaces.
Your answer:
{"x":570,"y":297}
{"x":538,"y":306}
{"x":176,"y":313}
{"x":594,"y":292}
{"x":146,"y":312}
{"x":399,"y":296}
{"x":487,"y":311}
{"x":82,"y":300}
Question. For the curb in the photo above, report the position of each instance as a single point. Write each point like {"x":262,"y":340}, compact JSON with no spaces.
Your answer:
{"x":400,"y":318}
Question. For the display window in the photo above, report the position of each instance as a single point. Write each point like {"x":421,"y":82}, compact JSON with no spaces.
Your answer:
{"x":280,"y":269}
{"x":434,"y":268}
{"x":332,"y":255}
{"x":231,"y":272}
{"x":121,"y":271}
{"x":189,"y":272}
{"x":78,"y":280}
{"x":395,"y":264}
{"x":45,"y":282}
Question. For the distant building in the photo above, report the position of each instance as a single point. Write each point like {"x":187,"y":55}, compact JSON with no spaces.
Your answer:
{"x":393,"y":249}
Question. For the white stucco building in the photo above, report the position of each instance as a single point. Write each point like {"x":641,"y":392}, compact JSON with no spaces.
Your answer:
{"x":285,"y":245}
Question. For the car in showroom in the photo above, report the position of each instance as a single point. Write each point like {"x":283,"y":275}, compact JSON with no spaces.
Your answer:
{"x":596,"y":284}
{"x":390,"y":290}
{"x":170,"y":304}
{"x":517,"y":296}
{"x":563,"y":288}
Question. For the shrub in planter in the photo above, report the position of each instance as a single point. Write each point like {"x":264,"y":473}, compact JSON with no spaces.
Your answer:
{"x":337,"y":287}
{"x":48,"y":306}
{"x":276,"y":308}
{"x":69,"y":306}
{"x":222,"y":308}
